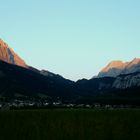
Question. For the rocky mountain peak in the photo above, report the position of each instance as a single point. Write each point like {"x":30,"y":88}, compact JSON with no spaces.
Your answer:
{"x":135,"y":61}
{"x":114,"y":64}
{"x":116,"y":68}
{"x":9,"y":56}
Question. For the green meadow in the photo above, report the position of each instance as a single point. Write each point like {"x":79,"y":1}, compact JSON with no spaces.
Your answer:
{"x":70,"y":124}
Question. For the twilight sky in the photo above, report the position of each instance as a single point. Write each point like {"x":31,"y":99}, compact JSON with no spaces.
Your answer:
{"x":74,"y":38}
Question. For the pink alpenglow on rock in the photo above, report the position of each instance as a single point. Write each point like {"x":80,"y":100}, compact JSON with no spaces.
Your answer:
{"x":9,"y":56}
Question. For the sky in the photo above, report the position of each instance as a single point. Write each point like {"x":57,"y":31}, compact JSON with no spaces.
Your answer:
{"x":73,"y":38}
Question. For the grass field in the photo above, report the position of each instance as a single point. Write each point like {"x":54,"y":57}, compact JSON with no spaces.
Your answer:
{"x":65,"y":124}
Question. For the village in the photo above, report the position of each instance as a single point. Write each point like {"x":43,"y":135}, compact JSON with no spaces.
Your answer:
{"x":31,"y":104}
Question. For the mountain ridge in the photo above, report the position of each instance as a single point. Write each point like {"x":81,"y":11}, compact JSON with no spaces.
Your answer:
{"x":116,"y":68}
{"x":31,"y":82}
{"x":8,"y":55}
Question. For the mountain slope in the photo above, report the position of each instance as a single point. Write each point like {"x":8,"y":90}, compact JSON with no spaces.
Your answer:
{"x":116,"y":68}
{"x":17,"y":80}
{"x":123,"y":89}
{"x":113,"y":69}
{"x":127,"y":81}
{"x":16,"y":77}
{"x":9,"y":56}
{"x":132,"y":67}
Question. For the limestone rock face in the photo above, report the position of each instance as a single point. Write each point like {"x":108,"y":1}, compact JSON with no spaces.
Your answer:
{"x":9,"y":56}
{"x":127,"y":81}
{"x":113,"y":69}
{"x":116,"y":68}
{"x":133,"y":66}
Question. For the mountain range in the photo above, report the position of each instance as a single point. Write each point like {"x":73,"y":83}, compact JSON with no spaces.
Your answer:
{"x":118,"y":82}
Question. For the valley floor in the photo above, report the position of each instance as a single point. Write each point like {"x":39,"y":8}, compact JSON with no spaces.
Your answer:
{"x":70,"y":124}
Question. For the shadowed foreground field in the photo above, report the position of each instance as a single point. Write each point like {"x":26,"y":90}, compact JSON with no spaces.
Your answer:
{"x":66,"y":124}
